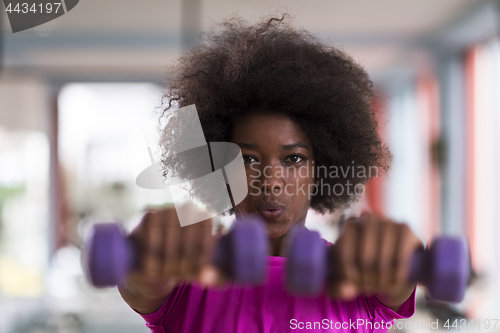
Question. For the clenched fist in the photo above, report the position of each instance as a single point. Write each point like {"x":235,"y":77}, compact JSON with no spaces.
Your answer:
{"x":373,"y":255}
{"x":168,"y":254}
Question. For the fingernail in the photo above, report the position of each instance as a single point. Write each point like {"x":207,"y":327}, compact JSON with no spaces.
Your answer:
{"x":365,"y":216}
{"x":209,"y":276}
{"x":348,"y":291}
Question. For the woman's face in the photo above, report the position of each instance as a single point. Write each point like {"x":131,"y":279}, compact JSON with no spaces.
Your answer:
{"x":279,"y":165}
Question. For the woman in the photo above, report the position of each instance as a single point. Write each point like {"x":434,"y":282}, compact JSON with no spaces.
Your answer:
{"x":289,"y":102}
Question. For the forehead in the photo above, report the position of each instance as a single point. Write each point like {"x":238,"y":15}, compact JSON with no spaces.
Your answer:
{"x":267,"y":127}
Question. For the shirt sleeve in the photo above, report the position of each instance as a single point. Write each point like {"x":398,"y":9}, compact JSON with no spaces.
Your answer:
{"x":154,"y":319}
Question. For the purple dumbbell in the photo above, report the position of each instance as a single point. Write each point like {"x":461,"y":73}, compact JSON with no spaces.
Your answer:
{"x":443,"y":269}
{"x":110,"y":254}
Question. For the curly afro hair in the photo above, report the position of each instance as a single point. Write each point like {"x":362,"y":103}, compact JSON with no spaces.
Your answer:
{"x":271,"y":66}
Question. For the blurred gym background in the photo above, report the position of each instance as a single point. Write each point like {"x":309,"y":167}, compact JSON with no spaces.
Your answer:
{"x":71,"y":91}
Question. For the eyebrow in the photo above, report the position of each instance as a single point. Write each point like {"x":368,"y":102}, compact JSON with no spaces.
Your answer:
{"x":285,"y":147}
{"x":295,"y":145}
{"x":248,"y":145}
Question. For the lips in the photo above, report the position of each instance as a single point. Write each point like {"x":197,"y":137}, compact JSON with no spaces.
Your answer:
{"x":270,"y":210}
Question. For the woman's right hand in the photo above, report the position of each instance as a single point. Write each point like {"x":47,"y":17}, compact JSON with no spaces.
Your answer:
{"x":168,"y":254}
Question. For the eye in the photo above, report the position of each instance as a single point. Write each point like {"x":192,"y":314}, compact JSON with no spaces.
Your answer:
{"x":249,"y":159}
{"x":294,"y":159}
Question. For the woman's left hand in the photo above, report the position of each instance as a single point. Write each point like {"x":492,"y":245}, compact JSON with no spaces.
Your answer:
{"x":373,"y":256}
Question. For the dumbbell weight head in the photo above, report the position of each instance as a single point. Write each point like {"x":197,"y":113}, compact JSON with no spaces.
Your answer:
{"x":306,"y":266}
{"x":242,"y":253}
{"x":108,"y":255}
{"x":444,"y":269}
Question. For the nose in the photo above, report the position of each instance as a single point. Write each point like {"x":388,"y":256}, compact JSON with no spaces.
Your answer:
{"x":272,"y":178}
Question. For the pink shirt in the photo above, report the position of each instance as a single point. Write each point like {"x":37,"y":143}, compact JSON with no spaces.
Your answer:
{"x":269,"y":308}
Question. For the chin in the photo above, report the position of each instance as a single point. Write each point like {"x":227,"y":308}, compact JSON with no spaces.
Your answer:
{"x":276,"y":230}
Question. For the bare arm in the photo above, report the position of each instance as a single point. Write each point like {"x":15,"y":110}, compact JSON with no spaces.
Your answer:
{"x":140,"y":302}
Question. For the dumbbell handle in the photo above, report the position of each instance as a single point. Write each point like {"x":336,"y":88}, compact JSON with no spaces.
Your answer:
{"x":110,"y":254}
{"x":417,"y":267}
{"x":443,"y":268}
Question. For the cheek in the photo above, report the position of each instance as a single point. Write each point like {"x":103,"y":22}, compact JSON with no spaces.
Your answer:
{"x":299,"y":199}
{"x":301,"y":181}
{"x":245,"y":207}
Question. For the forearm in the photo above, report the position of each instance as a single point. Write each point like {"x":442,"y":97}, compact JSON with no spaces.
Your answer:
{"x":145,"y":302}
{"x":395,"y":301}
